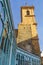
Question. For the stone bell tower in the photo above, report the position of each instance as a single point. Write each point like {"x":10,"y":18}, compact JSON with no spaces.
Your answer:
{"x":27,"y":31}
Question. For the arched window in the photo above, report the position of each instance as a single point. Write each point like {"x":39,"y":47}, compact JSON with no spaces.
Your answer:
{"x":28,"y":13}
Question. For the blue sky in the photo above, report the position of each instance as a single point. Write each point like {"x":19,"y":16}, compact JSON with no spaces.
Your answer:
{"x":38,"y":4}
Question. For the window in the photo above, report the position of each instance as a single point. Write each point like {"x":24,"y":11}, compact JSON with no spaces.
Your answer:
{"x":28,"y":13}
{"x":18,"y":57}
{"x":24,"y":27}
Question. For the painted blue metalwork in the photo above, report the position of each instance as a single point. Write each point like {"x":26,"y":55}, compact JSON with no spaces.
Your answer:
{"x":7,"y":40}
{"x":26,"y":58}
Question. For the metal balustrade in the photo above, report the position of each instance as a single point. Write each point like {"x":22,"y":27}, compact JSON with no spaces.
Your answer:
{"x":7,"y":38}
{"x":25,"y":58}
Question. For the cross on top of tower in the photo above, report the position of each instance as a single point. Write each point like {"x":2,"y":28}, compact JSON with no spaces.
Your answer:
{"x":26,"y":3}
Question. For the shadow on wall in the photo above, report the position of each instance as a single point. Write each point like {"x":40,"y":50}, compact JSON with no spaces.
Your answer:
{"x":30,"y":45}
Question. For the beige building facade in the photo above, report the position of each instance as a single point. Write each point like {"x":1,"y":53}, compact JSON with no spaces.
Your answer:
{"x":26,"y":35}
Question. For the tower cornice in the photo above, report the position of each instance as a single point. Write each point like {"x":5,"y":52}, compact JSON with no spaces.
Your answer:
{"x":30,"y":7}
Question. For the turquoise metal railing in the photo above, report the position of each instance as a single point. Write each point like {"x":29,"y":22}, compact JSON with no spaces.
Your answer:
{"x":7,"y":40}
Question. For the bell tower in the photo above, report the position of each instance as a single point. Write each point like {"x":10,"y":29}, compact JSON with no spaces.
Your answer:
{"x":27,"y":13}
{"x":27,"y":31}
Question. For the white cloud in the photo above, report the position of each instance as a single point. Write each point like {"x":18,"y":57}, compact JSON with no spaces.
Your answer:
{"x":42,"y":54}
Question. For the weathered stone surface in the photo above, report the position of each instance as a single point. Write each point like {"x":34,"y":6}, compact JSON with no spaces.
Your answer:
{"x":27,"y":36}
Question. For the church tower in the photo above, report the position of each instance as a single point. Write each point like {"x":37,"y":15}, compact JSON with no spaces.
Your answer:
{"x":27,"y":37}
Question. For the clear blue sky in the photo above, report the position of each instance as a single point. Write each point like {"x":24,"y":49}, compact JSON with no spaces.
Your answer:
{"x":38,"y":4}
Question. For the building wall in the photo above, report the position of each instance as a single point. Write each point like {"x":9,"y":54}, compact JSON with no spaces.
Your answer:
{"x":27,"y":37}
